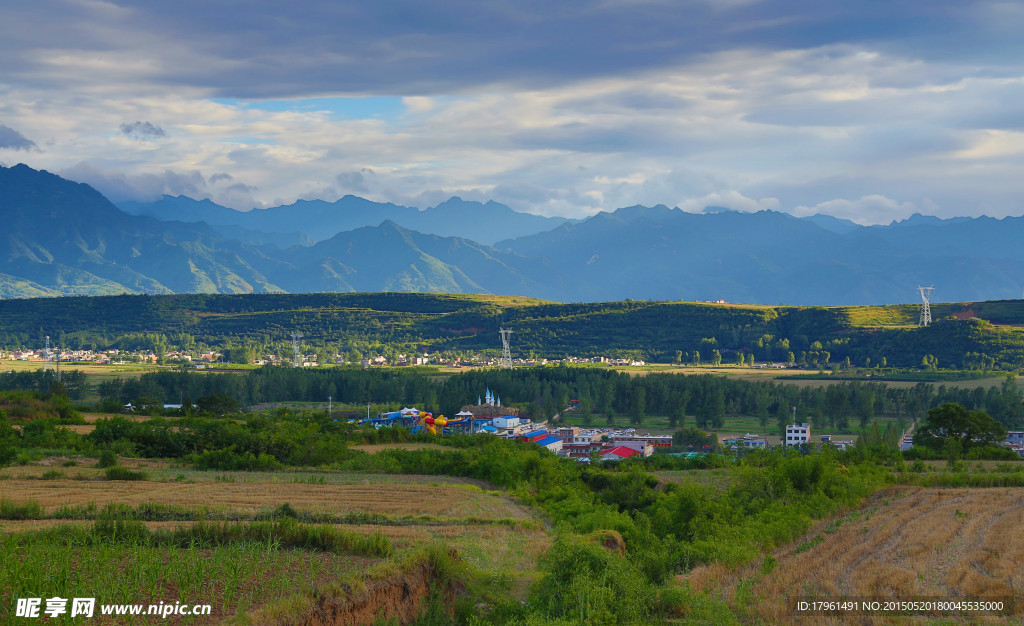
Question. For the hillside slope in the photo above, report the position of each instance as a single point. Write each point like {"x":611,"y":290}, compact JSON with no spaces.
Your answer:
{"x":961,"y":336}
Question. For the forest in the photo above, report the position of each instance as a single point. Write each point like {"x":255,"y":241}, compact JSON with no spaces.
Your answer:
{"x":602,"y":396}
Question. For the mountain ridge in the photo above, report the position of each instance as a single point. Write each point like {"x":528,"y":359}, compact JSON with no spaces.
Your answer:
{"x":63,"y":238}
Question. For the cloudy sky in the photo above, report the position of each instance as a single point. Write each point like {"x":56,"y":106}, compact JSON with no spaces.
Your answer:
{"x":867,"y":109}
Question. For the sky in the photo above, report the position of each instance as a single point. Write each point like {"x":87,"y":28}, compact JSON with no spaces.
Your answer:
{"x":868,"y":110}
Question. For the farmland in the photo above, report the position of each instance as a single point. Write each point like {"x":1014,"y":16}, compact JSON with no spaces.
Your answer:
{"x":345,"y":516}
{"x":903,"y":542}
{"x":398,"y":514}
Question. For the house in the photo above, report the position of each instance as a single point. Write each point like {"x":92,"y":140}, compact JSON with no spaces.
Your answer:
{"x":618,"y":453}
{"x":577,"y":444}
{"x":533,"y":435}
{"x":797,"y":434}
{"x":551,"y":443}
{"x":507,"y":421}
{"x":658,"y":441}
{"x":643,"y":447}
{"x":747,"y":441}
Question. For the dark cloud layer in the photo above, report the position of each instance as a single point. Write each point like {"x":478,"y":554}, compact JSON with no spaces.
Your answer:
{"x":142,"y":129}
{"x":274,"y":49}
{"x":13,"y":140}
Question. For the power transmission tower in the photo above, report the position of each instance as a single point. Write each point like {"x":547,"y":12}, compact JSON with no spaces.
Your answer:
{"x":926,"y":307}
{"x":296,"y":349}
{"x":506,"y":353}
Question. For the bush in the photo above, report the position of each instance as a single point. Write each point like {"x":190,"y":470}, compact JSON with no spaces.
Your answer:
{"x":284,"y":532}
{"x":585,"y":583}
{"x":113,"y":525}
{"x":53,"y":475}
{"x":228,"y":459}
{"x":991,"y":453}
{"x":108,"y":458}
{"x":25,"y":510}
{"x":120,"y":472}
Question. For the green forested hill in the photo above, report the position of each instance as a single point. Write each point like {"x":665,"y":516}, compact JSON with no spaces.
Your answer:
{"x":966,"y":334}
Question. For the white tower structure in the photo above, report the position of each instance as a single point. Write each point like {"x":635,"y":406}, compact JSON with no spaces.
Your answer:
{"x":296,"y":349}
{"x":506,"y":352}
{"x":926,"y":307}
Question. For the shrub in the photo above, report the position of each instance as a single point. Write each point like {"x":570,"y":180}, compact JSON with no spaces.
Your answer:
{"x":585,"y":583}
{"x":228,"y":459}
{"x":108,"y":458}
{"x":120,"y":472}
{"x":53,"y":475}
{"x":113,"y":524}
{"x":25,"y":510}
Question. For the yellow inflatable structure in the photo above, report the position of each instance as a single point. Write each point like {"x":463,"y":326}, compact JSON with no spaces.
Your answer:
{"x":433,"y":424}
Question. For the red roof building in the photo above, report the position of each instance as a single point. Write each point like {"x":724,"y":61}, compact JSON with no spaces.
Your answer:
{"x":620,"y":452}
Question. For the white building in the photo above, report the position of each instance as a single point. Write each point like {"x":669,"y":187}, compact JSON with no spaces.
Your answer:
{"x":505,"y":422}
{"x":797,"y":434}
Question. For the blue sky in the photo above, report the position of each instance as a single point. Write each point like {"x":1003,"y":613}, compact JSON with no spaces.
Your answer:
{"x":867,"y":110}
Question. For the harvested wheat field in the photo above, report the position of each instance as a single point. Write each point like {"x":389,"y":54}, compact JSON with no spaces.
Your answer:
{"x":905,"y":543}
{"x":91,"y":418}
{"x":374,"y":448}
{"x":456,"y":501}
{"x":81,"y":429}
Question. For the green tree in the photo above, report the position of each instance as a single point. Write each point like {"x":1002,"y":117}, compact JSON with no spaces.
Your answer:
{"x":966,"y":429}
{"x":638,"y":404}
{"x":217,"y":404}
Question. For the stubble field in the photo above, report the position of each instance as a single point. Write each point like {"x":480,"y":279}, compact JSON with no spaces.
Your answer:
{"x":904,"y":543}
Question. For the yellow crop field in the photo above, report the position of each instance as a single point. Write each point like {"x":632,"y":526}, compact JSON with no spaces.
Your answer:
{"x":906,"y":542}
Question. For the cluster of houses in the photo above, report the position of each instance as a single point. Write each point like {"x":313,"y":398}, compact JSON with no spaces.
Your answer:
{"x":485,"y":361}
{"x":607,"y":444}
{"x":104,"y":357}
{"x":1014,"y":441}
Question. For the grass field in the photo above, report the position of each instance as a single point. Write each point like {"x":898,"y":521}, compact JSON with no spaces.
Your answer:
{"x":50,"y":511}
{"x":905,"y":542}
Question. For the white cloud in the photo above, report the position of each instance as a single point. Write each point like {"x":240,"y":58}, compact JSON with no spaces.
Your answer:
{"x":746,"y":129}
{"x":873,"y":209}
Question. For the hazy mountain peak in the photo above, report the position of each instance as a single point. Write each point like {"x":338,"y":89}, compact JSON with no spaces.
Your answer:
{"x":714,"y":210}
{"x":835,"y":224}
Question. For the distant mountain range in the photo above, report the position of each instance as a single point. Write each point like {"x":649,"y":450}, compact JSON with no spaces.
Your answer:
{"x":58,"y":237}
{"x":318,"y":220}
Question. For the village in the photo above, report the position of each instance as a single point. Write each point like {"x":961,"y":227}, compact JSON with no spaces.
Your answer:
{"x":488,"y":416}
{"x":613,"y":444}
{"x":115,"y":356}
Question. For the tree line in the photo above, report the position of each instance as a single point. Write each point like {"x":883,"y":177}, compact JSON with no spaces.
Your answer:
{"x":601,"y":395}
